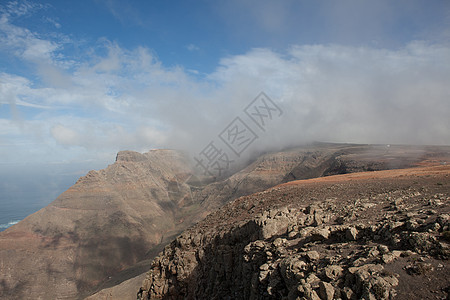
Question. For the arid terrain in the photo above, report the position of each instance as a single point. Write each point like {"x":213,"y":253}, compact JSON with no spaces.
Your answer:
{"x":371,"y":235}
{"x":100,"y":236}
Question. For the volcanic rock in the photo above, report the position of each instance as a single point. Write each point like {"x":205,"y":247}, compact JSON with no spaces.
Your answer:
{"x":92,"y":235}
{"x":359,"y":259}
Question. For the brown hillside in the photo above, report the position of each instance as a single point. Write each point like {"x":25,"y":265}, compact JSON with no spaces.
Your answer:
{"x":371,"y":235}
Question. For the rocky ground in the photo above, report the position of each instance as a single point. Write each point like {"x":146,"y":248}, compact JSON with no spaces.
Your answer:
{"x":107,"y":228}
{"x":371,"y":235}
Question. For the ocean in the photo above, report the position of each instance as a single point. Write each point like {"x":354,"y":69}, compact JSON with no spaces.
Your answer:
{"x":26,"y":189}
{"x":14,"y":211}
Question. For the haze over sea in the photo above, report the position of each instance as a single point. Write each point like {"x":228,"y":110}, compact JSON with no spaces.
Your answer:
{"x":26,"y":189}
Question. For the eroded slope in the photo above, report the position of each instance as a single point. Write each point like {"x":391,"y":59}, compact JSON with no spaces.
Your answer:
{"x":93,"y":234}
{"x":360,"y":236}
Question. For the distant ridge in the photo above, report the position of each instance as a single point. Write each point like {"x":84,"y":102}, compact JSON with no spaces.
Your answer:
{"x":114,"y":218}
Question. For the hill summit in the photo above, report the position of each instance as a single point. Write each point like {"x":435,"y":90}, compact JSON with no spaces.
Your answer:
{"x":108,"y":227}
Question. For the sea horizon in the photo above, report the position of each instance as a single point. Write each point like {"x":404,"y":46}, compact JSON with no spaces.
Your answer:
{"x":13,"y":212}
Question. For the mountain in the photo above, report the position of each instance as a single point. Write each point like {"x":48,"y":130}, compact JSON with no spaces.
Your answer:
{"x":104,"y":223}
{"x":370,"y":235}
{"x":105,"y":229}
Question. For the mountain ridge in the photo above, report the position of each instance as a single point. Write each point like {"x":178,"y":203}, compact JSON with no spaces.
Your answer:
{"x":113,"y":218}
{"x":362,"y":235}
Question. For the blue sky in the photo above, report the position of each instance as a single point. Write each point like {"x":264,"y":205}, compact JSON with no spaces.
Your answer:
{"x":81,"y":80}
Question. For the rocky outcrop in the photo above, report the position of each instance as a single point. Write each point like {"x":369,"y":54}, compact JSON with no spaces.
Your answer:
{"x":93,"y":234}
{"x":363,"y":238}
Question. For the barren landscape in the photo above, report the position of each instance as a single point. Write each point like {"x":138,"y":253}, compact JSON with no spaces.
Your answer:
{"x":371,"y":235}
{"x":100,"y":237}
{"x":239,"y":149}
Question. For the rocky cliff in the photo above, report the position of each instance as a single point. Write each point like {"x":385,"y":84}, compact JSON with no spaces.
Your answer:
{"x":102,"y":230}
{"x":104,"y":223}
{"x":376,"y":235}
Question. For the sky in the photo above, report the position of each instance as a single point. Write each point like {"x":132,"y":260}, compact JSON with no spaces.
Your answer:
{"x":82,"y":80}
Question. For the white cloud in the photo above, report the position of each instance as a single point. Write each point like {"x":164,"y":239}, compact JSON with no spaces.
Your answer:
{"x":333,"y":93}
{"x":111,"y":62}
{"x":127,"y":99}
{"x":192,"y":47}
{"x":122,"y":11}
{"x":349,"y":94}
{"x":20,"y":8}
{"x":104,"y":136}
{"x":52,"y":21}
{"x":24,"y":43}
{"x":65,"y":136}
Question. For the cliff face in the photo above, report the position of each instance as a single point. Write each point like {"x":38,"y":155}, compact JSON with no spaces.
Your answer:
{"x":112,"y":218}
{"x":312,"y":161}
{"x":107,"y":221}
{"x":359,"y":236}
